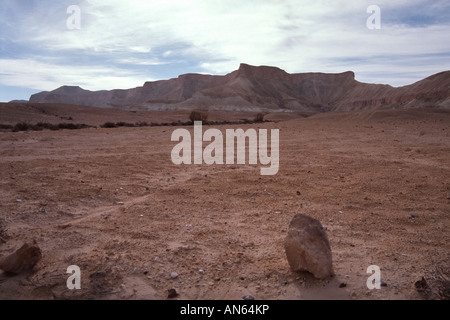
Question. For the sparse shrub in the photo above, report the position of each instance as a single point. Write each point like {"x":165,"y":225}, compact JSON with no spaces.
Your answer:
{"x":36,"y":128}
{"x":6,"y":127}
{"x":21,"y":126}
{"x":109,"y":125}
{"x":70,"y":126}
{"x":198,"y":116}
{"x":259,"y":117}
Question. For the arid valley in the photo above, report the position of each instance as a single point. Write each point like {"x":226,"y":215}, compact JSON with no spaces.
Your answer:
{"x":111,"y":201}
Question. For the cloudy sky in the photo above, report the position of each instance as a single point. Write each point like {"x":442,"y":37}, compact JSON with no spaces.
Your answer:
{"x":122,"y":44}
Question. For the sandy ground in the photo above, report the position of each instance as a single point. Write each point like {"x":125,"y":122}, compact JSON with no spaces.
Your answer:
{"x":112,"y":202}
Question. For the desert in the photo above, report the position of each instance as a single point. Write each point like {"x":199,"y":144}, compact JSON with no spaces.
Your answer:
{"x":111,"y":201}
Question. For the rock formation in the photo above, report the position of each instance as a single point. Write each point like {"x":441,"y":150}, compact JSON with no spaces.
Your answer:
{"x":261,"y":88}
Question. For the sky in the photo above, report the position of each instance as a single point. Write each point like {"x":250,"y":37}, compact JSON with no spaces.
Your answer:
{"x":122,"y":44}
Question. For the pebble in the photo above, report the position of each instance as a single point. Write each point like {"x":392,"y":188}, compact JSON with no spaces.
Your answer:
{"x":201,"y":271}
{"x":299,"y":193}
{"x":172,"y":293}
{"x":18,"y":200}
{"x":342,"y":285}
{"x":119,"y":203}
{"x":174,"y":275}
{"x":248,"y":298}
{"x":156,"y":259}
{"x":22,"y":259}
{"x":414,"y":215}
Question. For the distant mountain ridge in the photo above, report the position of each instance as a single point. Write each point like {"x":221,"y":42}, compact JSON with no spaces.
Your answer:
{"x":262,"y":88}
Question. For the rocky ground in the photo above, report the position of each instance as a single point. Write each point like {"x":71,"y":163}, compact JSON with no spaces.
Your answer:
{"x":111,"y":202}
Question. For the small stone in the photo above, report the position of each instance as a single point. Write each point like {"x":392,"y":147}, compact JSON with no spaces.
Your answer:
{"x":248,"y":298}
{"x":298,"y":193}
{"x":421,"y":285}
{"x":383,"y":284}
{"x":120,"y":203}
{"x":174,"y":275}
{"x":342,"y":285}
{"x":18,"y":200}
{"x":22,"y":259}
{"x":211,"y":283}
{"x":172,"y":293}
{"x":201,"y":271}
{"x":340,"y":212}
{"x":414,"y":215}
{"x":156,"y":259}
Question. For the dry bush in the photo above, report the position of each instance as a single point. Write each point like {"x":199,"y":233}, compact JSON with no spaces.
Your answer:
{"x":198,"y":116}
{"x":259,"y":117}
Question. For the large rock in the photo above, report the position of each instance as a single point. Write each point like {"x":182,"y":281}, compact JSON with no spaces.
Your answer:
{"x":21,"y":260}
{"x":307,"y":247}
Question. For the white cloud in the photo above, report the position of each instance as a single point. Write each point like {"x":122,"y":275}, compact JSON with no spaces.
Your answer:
{"x":45,"y":76}
{"x":214,"y":36}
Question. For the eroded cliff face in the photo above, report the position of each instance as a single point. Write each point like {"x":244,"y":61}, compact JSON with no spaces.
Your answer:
{"x":261,"y":88}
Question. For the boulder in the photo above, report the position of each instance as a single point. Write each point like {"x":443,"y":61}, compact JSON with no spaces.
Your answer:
{"x":21,"y":260}
{"x":307,"y":247}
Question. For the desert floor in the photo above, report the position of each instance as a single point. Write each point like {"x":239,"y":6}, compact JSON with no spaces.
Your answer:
{"x":112,"y":202}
